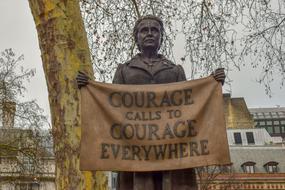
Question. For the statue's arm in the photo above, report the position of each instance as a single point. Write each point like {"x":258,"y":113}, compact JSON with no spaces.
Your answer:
{"x":181,"y":74}
{"x":118,"y":77}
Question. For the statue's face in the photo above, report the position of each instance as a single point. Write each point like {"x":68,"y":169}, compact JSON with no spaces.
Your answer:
{"x":149,"y":35}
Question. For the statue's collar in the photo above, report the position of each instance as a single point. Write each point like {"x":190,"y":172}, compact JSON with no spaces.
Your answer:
{"x":158,"y":64}
{"x":160,"y":58}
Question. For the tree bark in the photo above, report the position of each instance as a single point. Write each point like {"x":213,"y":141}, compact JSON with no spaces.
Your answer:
{"x":64,"y":49}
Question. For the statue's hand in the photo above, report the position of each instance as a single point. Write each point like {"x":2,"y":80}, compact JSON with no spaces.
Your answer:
{"x":82,"y":79}
{"x":219,"y":75}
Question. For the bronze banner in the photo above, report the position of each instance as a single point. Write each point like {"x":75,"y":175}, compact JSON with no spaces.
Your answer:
{"x":153,"y":127}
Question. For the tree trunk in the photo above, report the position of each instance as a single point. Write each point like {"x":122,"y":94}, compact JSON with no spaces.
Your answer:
{"x":64,"y":49}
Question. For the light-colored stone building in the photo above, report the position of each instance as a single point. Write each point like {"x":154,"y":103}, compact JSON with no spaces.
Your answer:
{"x":257,"y":153}
{"x":25,"y":163}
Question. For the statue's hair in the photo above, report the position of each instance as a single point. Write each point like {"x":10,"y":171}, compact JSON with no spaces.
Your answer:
{"x":152,"y":17}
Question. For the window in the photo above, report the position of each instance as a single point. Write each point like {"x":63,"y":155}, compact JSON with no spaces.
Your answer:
{"x":276,"y":122}
{"x":283,"y":129}
{"x":248,"y":167}
{"x":268,"y":122}
{"x":28,"y":164}
{"x":269,"y":130}
{"x":250,"y":137}
{"x":276,"y":129}
{"x":274,"y":114}
{"x":27,"y":186}
{"x":267,"y":115}
{"x":114,"y":180}
{"x":282,"y":122}
{"x":225,"y":168}
{"x":271,"y":167}
{"x":237,"y":138}
{"x":262,"y":123}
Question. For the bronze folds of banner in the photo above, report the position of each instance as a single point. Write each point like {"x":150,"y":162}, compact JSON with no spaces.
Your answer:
{"x":153,"y":127}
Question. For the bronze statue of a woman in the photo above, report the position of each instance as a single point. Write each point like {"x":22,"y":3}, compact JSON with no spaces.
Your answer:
{"x":149,"y":67}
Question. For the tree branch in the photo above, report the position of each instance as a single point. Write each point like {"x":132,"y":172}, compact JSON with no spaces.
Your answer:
{"x":136,"y":8}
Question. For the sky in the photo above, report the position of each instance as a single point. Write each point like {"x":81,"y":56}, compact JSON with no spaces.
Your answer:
{"x":18,"y":31}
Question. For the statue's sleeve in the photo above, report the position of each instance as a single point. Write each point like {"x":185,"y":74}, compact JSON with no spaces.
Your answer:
{"x":118,"y":77}
{"x":181,"y":74}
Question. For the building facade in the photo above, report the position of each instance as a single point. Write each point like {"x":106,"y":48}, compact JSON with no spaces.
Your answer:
{"x":257,"y":162}
{"x":272,"y":119}
{"x":25,"y":163}
{"x":257,"y":149}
